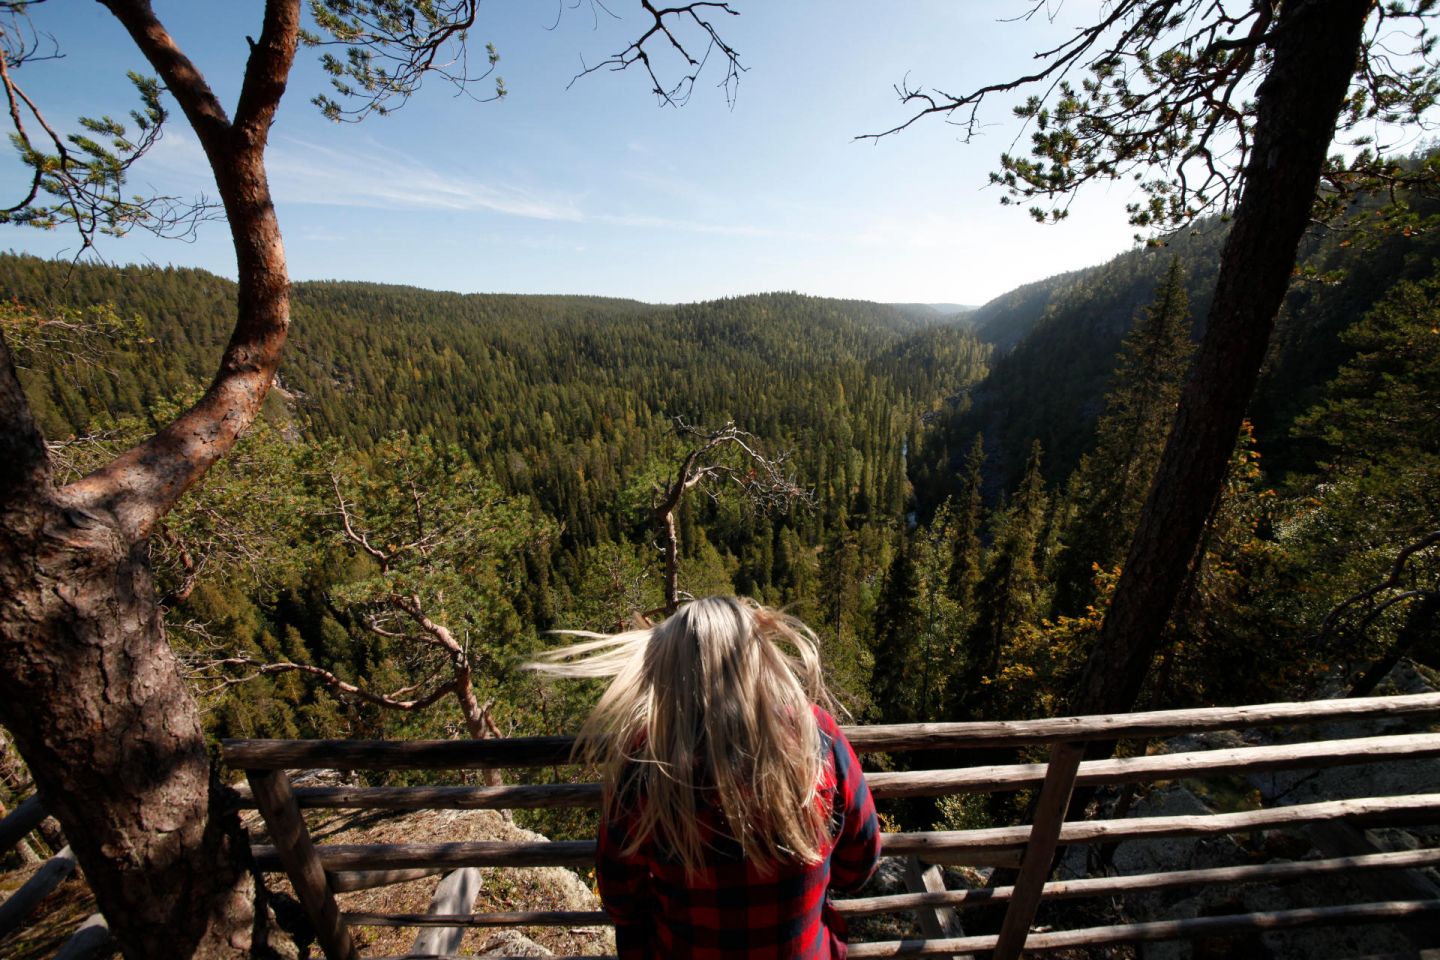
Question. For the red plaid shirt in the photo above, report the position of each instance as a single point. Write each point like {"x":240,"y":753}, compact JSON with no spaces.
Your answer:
{"x":732,"y":910}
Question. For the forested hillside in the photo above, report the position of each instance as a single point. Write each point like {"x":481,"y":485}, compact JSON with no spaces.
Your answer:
{"x":951,"y":524}
{"x":565,"y":407}
{"x":1056,"y":342}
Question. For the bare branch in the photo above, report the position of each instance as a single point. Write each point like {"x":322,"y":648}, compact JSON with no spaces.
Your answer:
{"x":264,"y":669}
{"x":355,"y":537}
{"x":697,"y":16}
{"x":1391,"y":580}
{"x":1164,"y":92}
{"x":762,"y":480}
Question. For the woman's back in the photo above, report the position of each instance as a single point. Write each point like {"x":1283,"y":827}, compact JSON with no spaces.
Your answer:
{"x":734,"y":906}
{"x":733,"y":803}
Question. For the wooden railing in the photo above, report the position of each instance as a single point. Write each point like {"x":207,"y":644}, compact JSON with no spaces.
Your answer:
{"x":319,"y":872}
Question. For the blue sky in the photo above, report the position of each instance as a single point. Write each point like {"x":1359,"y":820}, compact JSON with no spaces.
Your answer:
{"x":594,"y":189}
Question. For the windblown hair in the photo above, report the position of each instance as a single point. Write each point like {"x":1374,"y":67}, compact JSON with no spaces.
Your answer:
{"x":709,"y":700}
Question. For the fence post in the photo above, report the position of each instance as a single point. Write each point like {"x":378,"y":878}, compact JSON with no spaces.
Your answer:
{"x":276,"y":800}
{"x":1040,"y":850}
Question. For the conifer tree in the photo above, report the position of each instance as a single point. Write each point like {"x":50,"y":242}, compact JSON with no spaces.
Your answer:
{"x":968,"y":514}
{"x":895,"y":642}
{"x":1108,"y":488}
{"x":1013,"y":586}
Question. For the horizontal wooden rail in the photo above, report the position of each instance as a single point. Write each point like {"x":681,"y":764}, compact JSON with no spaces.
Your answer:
{"x":975,"y":897}
{"x":396,"y":754}
{"x":473,"y":853}
{"x":346,"y":881}
{"x":518,"y":797}
{"x":1414,"y":808}
{"x":1120,"y":726}
{"x":955,"y":846}
{"x":1143,"y":882}
{"x":1354,"y":914}
{"x":515,"y":918}
{"x":1163,"y":766}
{"x":546,"y":751}
{"x":868,"y":906}
{"x":914,"y":783}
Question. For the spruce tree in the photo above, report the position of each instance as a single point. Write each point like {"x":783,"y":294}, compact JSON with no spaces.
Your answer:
{"x":1109,"y":486}
{"x":895,"y":643}
{"x":967,"y":516}
{"x":1013,"y":587}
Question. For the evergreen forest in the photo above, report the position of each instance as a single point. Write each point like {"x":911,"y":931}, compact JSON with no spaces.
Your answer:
{"x":441,"y":480}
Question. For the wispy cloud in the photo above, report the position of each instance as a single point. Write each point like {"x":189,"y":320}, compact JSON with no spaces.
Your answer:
{"x":382,"y":177}
{"x":644,"y":222}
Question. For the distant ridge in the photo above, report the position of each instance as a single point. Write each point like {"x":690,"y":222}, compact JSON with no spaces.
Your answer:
{"x":932,"y":312}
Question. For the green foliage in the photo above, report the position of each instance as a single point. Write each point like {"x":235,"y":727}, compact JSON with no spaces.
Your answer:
{"x":1107,"y":489}
{"x":500,"y":457}
{"x":1166,"y":89}
{"x":1013,"y":590}
{"x":80,"y":178}
{"x":389,"y":48}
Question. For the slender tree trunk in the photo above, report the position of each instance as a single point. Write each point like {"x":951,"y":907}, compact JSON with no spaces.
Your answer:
{"x":1419,"y":623}
{"x":1316,"y":44}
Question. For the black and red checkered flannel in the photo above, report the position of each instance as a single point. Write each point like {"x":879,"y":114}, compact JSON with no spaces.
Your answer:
{"x":732,"y":910}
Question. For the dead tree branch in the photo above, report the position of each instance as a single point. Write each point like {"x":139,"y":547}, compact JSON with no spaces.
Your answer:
{"x":665,"y":29}
{"x":762,"y":480}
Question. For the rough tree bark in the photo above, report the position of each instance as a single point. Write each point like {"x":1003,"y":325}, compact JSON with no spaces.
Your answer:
{"x":89,"y":687}
{"x":1316,"y":45}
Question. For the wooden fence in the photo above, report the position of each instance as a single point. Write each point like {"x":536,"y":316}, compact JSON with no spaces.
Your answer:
{"x":319,"y":872}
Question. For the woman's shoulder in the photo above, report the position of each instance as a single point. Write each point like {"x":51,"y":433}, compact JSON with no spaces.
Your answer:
{"x":824,"y":721}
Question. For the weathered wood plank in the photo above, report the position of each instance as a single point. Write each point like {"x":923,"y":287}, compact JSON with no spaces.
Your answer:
{"x":1355,"y":914}
{"x":1040,"y":849}
{"x":1114,"y":886}
{"x":545,"y":751}
{"x":20,"y":821}
{"x":1416,"y":808}
{"x":963,"y":846}
{"x":917,"y":783}
{"x":1164,"y":766}
{"x":514,"y":918}
{"x":935,"y":921}
{"x":88,"y":940}
{"x":455,"y":894}
{"x":19,"y":905}
{"x":1155,"y":723}
{"x":346,"y":881}
{"x":295,"y":851}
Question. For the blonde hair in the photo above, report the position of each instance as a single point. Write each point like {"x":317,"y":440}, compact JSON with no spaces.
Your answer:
{"x":708,"y":700}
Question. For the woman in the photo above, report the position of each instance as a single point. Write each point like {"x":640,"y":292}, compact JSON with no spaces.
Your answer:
{"x":732,"y":802}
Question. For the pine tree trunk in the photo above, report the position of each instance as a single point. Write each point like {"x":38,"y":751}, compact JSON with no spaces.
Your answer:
{"x":89,"y":687}
{"x":1316,"y":43}
{"x":94,"y":698}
